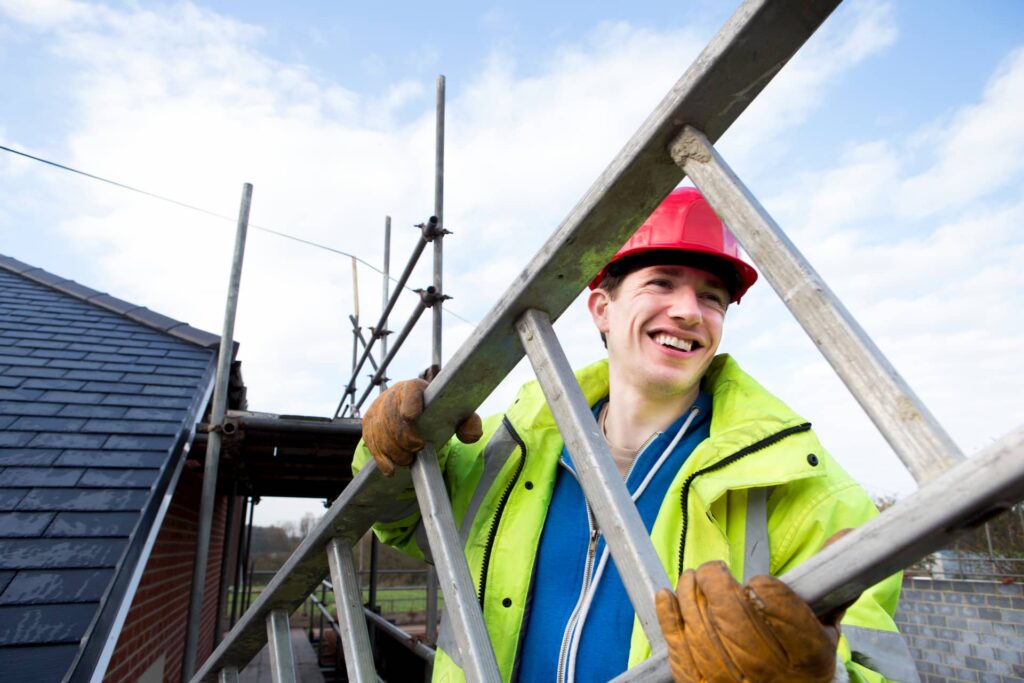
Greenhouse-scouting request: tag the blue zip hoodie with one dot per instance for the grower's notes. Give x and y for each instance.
(563, 566)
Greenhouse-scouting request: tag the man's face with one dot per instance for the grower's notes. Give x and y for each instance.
(662, 326)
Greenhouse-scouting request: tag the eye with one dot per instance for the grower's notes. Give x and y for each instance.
(659, 282)
(715, 298)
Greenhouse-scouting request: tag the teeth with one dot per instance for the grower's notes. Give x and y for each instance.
(674, 342)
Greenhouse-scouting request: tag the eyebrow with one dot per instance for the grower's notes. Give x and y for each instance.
(671, 270)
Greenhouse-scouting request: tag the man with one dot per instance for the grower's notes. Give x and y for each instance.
(730, 483)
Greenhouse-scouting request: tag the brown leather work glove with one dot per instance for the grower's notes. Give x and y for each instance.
(389, 426)
(719, 631)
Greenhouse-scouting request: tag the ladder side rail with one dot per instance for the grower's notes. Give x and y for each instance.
(743, 57)
(411, 643)
(406, 640)
(279, 639)
(353, 512)
(752, 46)
(916, 436)
(460, 603)
(642, 572)
(968, 494)
(355, 638)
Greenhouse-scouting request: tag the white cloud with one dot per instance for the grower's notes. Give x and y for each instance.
(182, 101)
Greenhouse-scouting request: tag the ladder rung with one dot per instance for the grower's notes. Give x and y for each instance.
(228, 674)
(916, 436)
(354, 637)
(642, 572)
(989, 482)
(279, 639)
(456, 584)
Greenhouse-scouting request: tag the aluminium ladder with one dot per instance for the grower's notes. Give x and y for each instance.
(676, 139)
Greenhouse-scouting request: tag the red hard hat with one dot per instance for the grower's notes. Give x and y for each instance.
(686, 222)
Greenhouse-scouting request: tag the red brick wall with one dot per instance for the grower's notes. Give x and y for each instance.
(158, 617)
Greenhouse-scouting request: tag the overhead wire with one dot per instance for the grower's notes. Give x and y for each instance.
(214, 214)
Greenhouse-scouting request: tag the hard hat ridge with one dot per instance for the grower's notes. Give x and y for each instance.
(685, 229)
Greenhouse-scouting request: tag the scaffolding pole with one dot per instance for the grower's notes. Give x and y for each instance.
(220, 396)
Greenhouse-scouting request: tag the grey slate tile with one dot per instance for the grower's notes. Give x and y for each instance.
(72, 397)
(43, 344)
(163, 380)
(142, 351)
(33, 587)
(10, 382)
(39, 664)
(82, 524)
(168, 391)
(128, 367)
(44, 372)
(84, 499)
(127, 359)
(24, 524)
(114, 387)
(28, 456)
(5, 578)
(9, 498)
(29, 408)
(8, 438)
(96, 375)
(48, 424)
(165, 414)
(8, 359)
(22, 625)
(60, 384)
(131, 427)
(192, 373)
(75, 365)
(138, 442)
(7, 420)
(113, 458)
(119, 478)
(67, 441)
(148, 400)
(95, 411)
(17, 394)
(58, 553)
(58, 353)
(40, 476)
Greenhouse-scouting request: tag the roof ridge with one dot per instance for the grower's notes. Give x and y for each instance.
(133, 312)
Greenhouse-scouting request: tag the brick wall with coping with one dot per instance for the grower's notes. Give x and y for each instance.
(157, 620)
(964, 630)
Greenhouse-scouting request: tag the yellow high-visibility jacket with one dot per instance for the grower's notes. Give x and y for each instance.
(500, 488)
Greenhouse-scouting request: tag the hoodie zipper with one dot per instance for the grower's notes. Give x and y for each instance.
(501, 509)
(742, 453)
(588, 567)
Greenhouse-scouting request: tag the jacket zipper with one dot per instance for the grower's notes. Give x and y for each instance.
(501, 509)
(742, 453)
(588, 567)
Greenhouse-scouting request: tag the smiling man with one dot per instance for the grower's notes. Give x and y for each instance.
(731, 484)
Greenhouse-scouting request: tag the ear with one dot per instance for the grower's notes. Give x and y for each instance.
(597, 304)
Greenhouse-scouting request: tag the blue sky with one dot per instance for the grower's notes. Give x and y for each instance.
(891, 149)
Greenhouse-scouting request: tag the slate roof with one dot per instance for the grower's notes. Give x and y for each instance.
(98, 398)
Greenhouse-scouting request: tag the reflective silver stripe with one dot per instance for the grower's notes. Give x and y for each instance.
(883, 651)
(446, 642)
(496, 454)
(841, 675)
(756, 554)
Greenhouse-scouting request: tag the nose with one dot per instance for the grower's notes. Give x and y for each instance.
(684, 306)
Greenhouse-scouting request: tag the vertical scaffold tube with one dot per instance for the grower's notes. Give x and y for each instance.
(217, 412)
